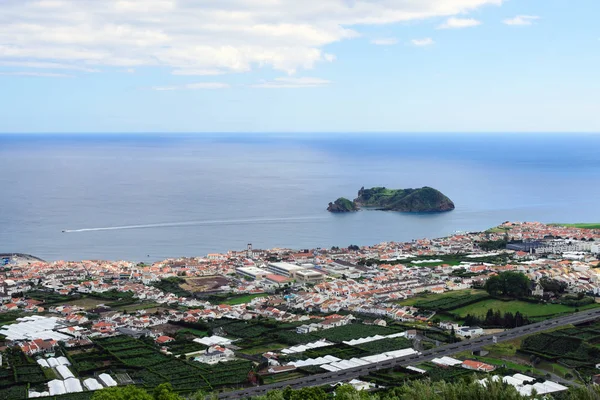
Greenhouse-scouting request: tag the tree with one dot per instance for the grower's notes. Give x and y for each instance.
(509, 284)
(348, 392)
(553, 285)
(122, 393)
(164, 391)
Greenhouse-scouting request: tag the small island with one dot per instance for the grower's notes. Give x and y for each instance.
(425, 199)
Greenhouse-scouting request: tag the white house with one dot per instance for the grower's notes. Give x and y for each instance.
(215, 354)
(469, 331)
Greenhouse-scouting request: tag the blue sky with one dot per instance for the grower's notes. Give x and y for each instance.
(299, 66)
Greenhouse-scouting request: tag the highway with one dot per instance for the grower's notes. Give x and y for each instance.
(428, 355)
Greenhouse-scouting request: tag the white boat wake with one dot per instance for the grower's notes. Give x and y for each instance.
(193, 223)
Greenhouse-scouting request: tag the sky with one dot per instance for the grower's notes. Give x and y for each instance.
(299, 66)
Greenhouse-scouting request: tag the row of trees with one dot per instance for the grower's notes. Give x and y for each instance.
(495, 319)
(414, 390)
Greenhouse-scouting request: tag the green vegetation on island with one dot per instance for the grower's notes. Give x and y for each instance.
(342, 205)
(580, 226)
(425, 199)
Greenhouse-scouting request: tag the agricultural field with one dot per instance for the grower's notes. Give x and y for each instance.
(354, 331)
(260, 349)
(203, 284)
(573, 347)
(580, 226)
(431, 297)
(531, 310)
(246, 298)
(88, 303)
(149, 306)
(286, 376)
(383, 345)
(151, 368)
(22, 372)
(184, 346)
(449, 303)
(8, 317)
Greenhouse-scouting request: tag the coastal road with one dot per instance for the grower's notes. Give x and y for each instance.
(466, 345)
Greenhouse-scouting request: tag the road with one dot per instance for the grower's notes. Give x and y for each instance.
(428, 355)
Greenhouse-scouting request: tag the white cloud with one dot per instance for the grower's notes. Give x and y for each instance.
(385, 41)
(423, 42)
(193, 86)
(521, 20)
(46, 65)
(224, 35)
(292, 83)
(458, 23)
(38, 74)
(197, 72)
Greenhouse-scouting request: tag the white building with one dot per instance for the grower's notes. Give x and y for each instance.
(252, 272)
(309, 276)
(469, 331)
(285, 269)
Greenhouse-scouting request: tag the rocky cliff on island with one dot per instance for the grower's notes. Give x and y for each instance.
(425, 199)
(342, 205)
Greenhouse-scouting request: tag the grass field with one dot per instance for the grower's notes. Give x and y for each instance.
(432, 296)
(243, 299)
(581, 226)
(531, 310)
(286, 376)
(498, 229)
(149, 307)
(87, 303)
(264, 348)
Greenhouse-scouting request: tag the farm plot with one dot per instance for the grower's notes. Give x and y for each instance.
(572, 351)
(354, 331)
(152, 368)
(448, 303)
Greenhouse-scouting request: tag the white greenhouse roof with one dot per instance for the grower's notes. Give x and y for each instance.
(92, 384)
(56, 387)
(212, 340)
(43, 363)
(33, 327)
(107, 380)
(64, 372)
(73, 385)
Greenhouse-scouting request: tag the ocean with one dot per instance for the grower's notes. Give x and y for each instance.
(145, 197)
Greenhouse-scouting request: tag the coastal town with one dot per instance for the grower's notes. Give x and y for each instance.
(259, 316)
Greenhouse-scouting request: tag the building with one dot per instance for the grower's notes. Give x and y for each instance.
(469, 331)
(164, 339)
(285, 269)
(309, 276)
(252, 272)
(277, 279)
(477, 366)
(215, 354)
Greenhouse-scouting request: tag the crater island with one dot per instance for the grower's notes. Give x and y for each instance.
(425, 199)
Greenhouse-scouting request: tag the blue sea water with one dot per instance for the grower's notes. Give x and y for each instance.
(152, 196)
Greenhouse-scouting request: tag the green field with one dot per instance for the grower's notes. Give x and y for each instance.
(150, 307)
(581, 226)
(264, 348)
(247, 298)
(432, 296)
(498, 229)
(531, 310)
(87, 303)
